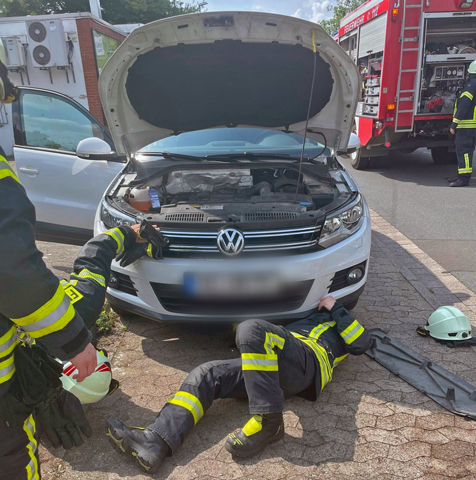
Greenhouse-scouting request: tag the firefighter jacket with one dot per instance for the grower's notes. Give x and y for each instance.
(31, 296)
(332, 336)
(465, 108)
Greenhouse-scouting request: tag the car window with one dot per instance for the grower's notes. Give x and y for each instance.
(237, 140)
(53, 122)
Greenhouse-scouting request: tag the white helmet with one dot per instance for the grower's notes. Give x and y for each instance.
(449, 323)
(472, 68)
(93, 388)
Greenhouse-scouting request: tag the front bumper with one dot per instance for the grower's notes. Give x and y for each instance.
(319, 267)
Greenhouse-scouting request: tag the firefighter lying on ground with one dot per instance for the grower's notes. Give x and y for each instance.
(464, 127)
(276, 363)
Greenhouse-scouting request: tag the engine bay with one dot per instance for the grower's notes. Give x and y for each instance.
(227, 194)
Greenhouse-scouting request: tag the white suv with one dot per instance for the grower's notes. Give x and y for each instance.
(210, 111)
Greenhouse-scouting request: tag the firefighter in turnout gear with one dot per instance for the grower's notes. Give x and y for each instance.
(464, 127)
(36, 309)
(276, 363)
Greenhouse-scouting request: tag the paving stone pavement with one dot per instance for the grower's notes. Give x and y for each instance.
(367, 424)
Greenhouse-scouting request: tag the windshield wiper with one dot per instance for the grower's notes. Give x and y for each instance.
(182, 156)
(256, 155)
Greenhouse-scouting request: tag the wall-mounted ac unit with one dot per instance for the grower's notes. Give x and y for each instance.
(47, 44)
(14, 52)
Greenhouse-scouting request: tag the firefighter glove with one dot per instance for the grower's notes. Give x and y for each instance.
(63, 421)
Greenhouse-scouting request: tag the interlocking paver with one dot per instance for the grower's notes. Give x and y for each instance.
(367, 424)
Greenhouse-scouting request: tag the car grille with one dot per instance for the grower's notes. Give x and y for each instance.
(185, 217)
(340, 278)
(174, 299)
(123, 283)
(255, 240)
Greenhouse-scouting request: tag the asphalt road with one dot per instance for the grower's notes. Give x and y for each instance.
(412, 193)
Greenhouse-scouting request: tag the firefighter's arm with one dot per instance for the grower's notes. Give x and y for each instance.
(355, 338)
(464, 103)
(92, 270)
(30, 294)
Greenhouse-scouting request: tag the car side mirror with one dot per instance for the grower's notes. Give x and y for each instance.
(353, 146)
(95, 149)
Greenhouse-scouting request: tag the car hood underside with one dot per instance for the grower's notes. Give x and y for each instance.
(228, 69)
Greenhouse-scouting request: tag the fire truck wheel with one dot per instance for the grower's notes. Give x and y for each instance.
(441, 156)
(358, 161)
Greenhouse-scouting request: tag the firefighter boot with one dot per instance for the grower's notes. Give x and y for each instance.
(452, 179)
(140, 444)
(463, 181)
(256, 434)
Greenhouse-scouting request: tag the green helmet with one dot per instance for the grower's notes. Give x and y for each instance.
(449, 323)
(472, 68)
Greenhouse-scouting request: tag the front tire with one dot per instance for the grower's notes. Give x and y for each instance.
(359, 162)
(351, 305)
(441, 156)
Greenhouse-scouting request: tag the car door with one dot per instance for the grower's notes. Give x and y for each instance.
(65, 189)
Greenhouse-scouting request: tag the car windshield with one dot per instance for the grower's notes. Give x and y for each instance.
(232, 141)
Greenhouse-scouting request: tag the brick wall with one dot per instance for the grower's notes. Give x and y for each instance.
(85, 35)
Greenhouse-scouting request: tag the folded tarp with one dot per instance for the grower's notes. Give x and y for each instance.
(442, 386)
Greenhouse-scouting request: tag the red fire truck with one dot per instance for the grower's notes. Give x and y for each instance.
(413, 56)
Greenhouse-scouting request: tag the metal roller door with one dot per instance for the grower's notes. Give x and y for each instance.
(372, 36)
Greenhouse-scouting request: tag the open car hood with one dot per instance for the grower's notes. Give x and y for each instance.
(227, 69)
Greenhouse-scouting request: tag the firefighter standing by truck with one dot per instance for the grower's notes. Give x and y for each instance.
(464, 127)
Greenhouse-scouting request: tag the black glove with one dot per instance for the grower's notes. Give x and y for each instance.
(138, 250)
(63, 421)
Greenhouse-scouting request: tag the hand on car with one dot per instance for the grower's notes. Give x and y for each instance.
(85, 362)
(327, 303)
(136, 229)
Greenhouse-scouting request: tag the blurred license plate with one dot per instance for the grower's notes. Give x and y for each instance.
(219, 285)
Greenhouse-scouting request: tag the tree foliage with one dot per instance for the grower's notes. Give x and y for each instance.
(114, 11)
(339, 10)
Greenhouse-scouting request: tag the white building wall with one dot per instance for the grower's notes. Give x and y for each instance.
(76, 88)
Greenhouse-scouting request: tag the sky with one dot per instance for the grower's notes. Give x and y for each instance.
(307, 9)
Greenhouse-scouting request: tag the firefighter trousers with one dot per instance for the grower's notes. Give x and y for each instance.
(274, 365)
(19, 452)
(465, 144)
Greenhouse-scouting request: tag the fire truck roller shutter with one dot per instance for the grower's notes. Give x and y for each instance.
(372, 36)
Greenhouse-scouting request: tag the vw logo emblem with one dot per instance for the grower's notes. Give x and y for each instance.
(230, 241)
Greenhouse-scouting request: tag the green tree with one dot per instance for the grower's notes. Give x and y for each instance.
(114, 11)
(339, 10)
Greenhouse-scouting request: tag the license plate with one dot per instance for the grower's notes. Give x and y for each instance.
(220, 285)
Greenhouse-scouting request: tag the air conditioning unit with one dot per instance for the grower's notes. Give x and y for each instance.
(14, 52)
(47, 44)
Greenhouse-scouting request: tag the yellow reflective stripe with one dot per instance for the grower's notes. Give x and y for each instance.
(118, 237)
(259, 356)
(455, 120)
(189, 402)
(467, 94)
(339, 359)
(253, 426)
(466, 161)
(272, 340)
(322, 357)
(465, 170)
(54, 315)
(32, 468)
(149, 250)
(85, 273)
(6, 170)
(8, 342)
(7, 369)
(320, 329)
(352, 332)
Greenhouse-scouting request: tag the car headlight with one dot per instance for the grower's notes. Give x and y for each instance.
(113, 218)
(341, 225)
